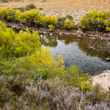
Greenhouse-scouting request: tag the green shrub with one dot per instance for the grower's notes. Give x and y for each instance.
(94, 21)
(14, 44)
(38, 65)
(35, 17)
(51, 20)
(8, 14)
(107, 23)
(41, 21)
(69, 23)
(7, 38)
(21, 53)
(30, 16)
(51, 27)
(83, 82)
(66, 22)
(19, 16)
(73, 70)
(79, 79)
(26, 43)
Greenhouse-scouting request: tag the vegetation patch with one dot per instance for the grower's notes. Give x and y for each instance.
(92, 21)
(35, 18)
(95, 21)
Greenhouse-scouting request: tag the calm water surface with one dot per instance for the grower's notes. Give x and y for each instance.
(89, 55)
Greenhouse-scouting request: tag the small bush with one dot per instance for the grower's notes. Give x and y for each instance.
(94, 21)
(79, 79)
(51, 20)
(51, 27)
(83, 82)
(73, 70)
(30, 16)
(107, 23)
(68, 24)
(7, 14)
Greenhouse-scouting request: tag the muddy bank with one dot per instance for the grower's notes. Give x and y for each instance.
(77, 32)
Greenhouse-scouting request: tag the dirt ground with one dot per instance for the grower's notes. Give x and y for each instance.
(62, 7)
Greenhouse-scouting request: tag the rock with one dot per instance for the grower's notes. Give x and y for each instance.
(103, 80)
(107, 59)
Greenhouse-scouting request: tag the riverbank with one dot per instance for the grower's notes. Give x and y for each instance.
(77, 32)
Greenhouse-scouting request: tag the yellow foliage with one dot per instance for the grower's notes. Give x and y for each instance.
(69, 24)
(42, 56)
(51, 19)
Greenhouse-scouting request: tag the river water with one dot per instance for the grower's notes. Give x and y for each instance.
(90, 55)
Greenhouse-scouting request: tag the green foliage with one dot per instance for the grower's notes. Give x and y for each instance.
(73, 70)
(68, 24)
(26, 42)
(6, 40)
(41, 56)
(83, 82)
(40, 65)
(35, 17)
(94, 21)
(79, 79)
(51, 20)
(21, 53)
(107, 23)
(14, 44)
(7, 14)
(31, 15)
(51, 27)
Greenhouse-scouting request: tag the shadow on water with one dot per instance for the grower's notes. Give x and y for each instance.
(91, 55)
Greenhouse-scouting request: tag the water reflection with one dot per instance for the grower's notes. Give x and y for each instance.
(49, 40)
(91, 55)
(96, 47)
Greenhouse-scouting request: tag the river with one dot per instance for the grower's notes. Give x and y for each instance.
(90, 55)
